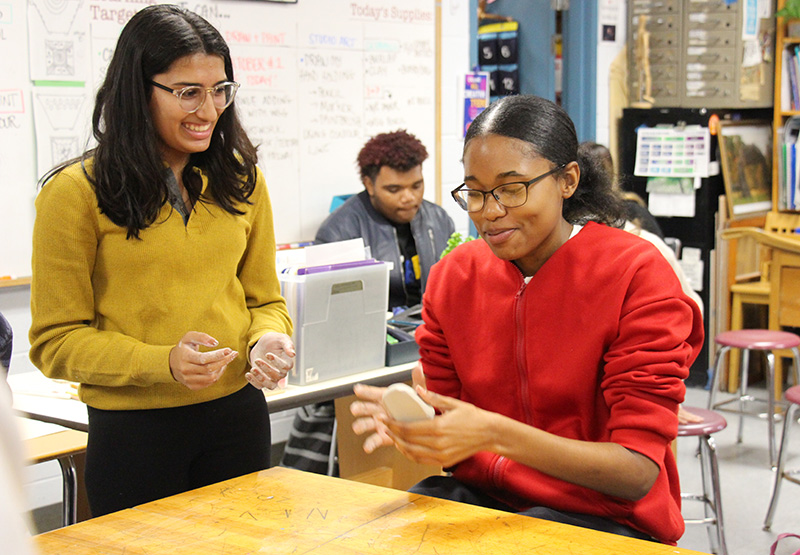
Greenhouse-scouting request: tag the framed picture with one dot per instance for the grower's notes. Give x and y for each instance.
(746, 159)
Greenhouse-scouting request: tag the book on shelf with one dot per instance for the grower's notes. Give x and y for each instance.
(789, 177)
(786, 92)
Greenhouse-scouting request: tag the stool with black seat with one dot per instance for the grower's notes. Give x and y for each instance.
(793, 398)
(747, 340)
(711, 498)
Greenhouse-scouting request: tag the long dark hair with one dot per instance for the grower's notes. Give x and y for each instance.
(128, 171)
(551, 135)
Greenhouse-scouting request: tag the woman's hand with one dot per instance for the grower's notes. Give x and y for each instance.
(195, 369)
(370, 414)
(458, 432)
(271, 358)
(686, 417)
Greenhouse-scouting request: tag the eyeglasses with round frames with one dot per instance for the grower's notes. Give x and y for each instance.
(509, 195)
(191, 98)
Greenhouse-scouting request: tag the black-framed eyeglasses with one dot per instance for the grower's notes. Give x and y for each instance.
(191, 98)
(509, 195)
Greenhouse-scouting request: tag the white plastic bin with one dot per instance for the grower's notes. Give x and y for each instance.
(339, 321)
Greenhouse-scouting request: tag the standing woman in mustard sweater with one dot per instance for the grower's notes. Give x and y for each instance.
(154, 281)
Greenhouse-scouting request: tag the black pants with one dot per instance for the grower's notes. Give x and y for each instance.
(446, 487)
(136, 456)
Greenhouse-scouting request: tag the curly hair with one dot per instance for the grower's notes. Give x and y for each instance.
(400, 150)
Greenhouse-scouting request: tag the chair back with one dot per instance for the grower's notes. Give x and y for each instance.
(753, 259)
(782, 222)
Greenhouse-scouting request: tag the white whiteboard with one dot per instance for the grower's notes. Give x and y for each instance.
(318, 77)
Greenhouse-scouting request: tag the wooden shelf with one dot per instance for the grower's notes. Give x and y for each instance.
(16, 282)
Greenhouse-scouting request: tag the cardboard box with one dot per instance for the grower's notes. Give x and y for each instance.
(339, 321)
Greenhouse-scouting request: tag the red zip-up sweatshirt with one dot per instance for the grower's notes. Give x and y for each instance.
(595, 347)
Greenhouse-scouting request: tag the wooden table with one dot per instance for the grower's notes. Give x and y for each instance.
(288, 511)
(58, 444)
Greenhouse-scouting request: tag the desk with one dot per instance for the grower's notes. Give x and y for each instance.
(36, 397)
(287, 511)
(46, 442)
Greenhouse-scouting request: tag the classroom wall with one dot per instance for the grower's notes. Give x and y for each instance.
(586, 56)
(43, 484)
(319, 77)
(610, 12)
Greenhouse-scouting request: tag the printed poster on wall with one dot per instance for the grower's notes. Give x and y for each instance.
(476, 96)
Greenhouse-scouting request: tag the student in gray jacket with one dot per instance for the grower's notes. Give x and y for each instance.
(392, 217)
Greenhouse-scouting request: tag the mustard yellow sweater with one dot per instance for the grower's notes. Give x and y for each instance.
(107, 310)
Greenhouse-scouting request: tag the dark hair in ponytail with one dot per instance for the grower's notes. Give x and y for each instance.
(550, 133)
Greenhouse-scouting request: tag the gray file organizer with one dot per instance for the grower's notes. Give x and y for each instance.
(339, 321)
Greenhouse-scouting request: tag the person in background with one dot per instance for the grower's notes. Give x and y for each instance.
(390, 214)
(400, 227)
(154, 282)
(635, 208)
(554, 350)
(6, 342)
(599, 155)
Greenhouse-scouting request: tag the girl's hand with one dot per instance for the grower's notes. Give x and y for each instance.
(271, 359)
(457, 433)
(370, 414)
(194, 369)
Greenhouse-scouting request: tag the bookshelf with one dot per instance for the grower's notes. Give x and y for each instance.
(782, 108)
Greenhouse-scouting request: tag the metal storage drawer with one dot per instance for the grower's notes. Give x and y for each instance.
(705, 72)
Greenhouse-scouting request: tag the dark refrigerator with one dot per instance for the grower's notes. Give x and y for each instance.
(695, 232)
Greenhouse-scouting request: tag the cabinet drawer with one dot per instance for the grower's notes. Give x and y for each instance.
(706, 72)
(665, 89)
(654, 6)
(664, 56)
(709, 89)
(709, 6)
(662, 23)
(711, 39)
(664, 40)
(711, 21)
(703, 55)
(663, 72)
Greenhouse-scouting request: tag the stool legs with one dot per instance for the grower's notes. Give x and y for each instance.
(717, 381)
(771, 406)
(716, 375)
(779, 470)
(743, 391)
(711, 496)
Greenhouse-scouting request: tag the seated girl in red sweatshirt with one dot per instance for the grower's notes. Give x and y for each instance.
(555, 349)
